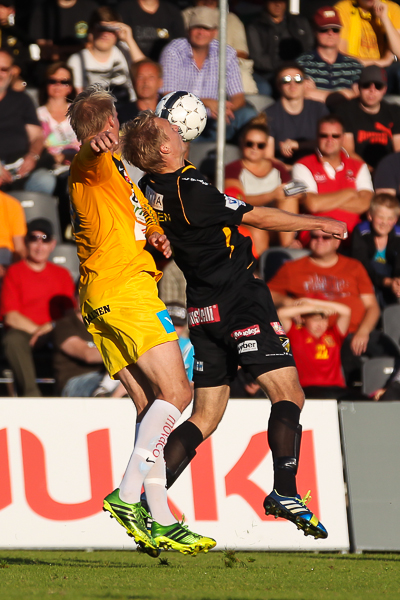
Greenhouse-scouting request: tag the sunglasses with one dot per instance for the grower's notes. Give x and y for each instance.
(52, 81)
(5, 69)
(326, 29)
(335, 136)
(321, 237)
(259, 145)
(35, 237)
(288, 79)
(379, 86)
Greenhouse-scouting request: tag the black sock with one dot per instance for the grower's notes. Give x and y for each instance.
(284, 435)
(181, 449)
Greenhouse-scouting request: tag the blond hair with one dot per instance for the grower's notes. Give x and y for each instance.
(141, 141)
(89, 112)
(385, 200)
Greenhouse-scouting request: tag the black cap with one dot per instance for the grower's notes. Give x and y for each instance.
(373, 74)
(178, 313)
(7, 3)
(42, 225)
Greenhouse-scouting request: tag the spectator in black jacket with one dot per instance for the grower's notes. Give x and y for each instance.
(275, 37)
(376, 244)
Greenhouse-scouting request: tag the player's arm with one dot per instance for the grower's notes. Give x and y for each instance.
(274, 219)
(76, 347)
(154, 232)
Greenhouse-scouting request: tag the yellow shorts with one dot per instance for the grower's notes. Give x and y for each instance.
(127, 321)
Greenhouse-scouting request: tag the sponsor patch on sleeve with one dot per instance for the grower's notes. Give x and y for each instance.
(247, 346)
(277, 327)
(233, 203)
(166, 321)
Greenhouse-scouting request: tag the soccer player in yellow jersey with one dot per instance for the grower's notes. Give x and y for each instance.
(129, 324)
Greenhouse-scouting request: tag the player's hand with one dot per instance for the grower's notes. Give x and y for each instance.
(105, 141)
(336, 228)
(161, 243)
(396, 286)
(41, 330)
(359, 343)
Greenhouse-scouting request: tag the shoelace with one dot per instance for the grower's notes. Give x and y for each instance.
(306, 499)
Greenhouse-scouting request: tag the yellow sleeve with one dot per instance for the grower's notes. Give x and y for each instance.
(17, 218)
(97, 168)
(394, 14)
(344, 14)
(152, 224)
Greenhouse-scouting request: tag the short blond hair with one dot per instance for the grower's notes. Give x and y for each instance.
(90, 110)
(385, 200)
(141, 142)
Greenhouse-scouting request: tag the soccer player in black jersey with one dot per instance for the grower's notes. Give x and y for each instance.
(232, 318)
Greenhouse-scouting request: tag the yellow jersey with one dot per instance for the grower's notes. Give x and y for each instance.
(111, 219)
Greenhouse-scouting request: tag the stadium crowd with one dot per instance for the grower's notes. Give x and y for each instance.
(313, 122)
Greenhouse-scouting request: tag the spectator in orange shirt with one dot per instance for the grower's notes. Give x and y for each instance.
(12, 231)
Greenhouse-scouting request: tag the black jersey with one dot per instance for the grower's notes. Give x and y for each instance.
(202, 226)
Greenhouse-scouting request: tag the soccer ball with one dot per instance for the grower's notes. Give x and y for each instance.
(185, 110)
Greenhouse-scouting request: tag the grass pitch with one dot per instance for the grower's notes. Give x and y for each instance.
(112, 575)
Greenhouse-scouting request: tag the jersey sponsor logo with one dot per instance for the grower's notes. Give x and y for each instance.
(162, 440)
(285, 343)
(166, 321)
(252, 330)
(96, 312)
(320, 177)
(233, 203)
(155, 200)
(247, 346)
(196, 180)
(277, 327)
(198, 366)
(208, 314)
(382, 135)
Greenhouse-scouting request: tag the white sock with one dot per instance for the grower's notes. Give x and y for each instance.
(151, 438)
(156, 493)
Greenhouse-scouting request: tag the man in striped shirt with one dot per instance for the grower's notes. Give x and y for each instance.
(192, 65)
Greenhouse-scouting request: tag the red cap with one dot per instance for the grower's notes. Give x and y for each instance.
(327, 16)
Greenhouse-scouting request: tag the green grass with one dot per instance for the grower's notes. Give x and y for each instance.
(228, 575)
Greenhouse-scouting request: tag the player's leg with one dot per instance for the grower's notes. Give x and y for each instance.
(284, 437)
(208, 409)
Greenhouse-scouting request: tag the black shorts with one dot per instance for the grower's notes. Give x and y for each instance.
(241, 328)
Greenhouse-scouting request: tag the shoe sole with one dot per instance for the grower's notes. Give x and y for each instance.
(302, 524)
(193, 549)
(138, 535)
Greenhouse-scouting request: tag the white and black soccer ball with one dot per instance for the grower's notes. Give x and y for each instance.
(185, 110)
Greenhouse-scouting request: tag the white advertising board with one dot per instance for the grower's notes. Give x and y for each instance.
(60, 457)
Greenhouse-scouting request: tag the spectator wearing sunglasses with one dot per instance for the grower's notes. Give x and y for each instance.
(372, 125)
(327, 69)
(338, 186)
(274, 37)
(292, 119)
(260, 180)
(327, 275)
(35, 293)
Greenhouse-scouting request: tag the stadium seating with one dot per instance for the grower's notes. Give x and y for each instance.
(272, 259)
(37, 205)
(391, 322)
(65, 255)
(375, 373)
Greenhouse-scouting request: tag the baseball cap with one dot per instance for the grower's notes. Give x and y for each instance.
(42, 225)
(204, 16)
(373, 74)
(7, 3)
(327, 16)
(178, 313)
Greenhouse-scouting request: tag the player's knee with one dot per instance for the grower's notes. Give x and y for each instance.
(180, 397)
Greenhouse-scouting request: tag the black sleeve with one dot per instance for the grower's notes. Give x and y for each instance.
(257, 51)
(395, 110)
(205, 206)
(178, 26)
(359, 250)
(387, 173)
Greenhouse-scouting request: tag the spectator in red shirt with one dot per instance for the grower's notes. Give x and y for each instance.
(327, 275)
(35, 293)
(316, 345)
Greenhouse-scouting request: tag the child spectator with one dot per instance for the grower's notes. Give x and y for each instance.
(316, 345)
(376, 244)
